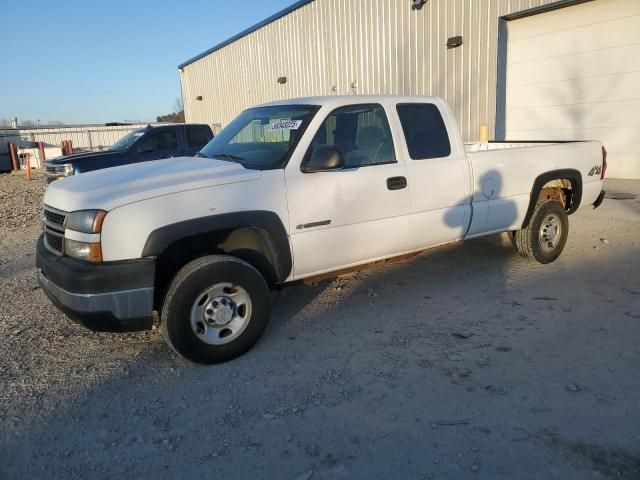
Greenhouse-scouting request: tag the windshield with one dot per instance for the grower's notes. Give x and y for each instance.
(125, 142)
(261, 138)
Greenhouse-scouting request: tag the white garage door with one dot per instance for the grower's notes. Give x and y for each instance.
(574, 74)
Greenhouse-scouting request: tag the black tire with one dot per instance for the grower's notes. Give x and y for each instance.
(530, 241)
(189, 283)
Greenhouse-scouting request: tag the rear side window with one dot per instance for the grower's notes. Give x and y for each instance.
(424, 131)
(197, 137)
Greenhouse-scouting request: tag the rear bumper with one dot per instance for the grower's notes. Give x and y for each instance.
(107, 297)
(599, 200)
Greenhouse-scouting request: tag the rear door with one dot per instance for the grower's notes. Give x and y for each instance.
(197, 136)
(439, 176)
(341, 218)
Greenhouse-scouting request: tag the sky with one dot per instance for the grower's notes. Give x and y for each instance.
(102, 61)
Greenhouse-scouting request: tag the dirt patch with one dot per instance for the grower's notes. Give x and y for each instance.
(620, 196)
(613, 462)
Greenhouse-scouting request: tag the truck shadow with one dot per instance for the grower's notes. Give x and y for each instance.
(489, 211)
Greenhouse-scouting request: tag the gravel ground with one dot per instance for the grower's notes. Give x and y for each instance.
(21, 200)
(466, 362)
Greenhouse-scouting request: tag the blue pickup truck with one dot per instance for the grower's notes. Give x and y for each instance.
(141, 145)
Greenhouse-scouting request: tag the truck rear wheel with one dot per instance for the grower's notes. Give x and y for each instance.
(216, 309)
(546, 235)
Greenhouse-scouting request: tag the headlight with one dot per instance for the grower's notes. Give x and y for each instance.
(82, 235)
(91, 252)
(67, 169)
(86, 221)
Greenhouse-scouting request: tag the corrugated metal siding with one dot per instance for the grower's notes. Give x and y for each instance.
(359, 46)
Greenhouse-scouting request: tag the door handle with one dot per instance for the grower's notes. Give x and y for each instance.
(396, 183)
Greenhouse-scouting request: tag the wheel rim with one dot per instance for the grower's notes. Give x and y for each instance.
(550, 232)
(221, 313)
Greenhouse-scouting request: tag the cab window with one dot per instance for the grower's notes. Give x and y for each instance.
(361, 132)
(424, 131)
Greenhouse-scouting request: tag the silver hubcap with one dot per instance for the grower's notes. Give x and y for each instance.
(550, 232)
(221, 313)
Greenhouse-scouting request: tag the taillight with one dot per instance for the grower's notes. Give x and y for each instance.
(604, 163)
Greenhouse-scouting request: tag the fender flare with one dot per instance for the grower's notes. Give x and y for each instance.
(267, 223)
(574, 176)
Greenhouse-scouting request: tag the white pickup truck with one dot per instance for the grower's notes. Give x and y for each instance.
(293, 190)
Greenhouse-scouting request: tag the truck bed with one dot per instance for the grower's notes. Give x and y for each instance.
(503, 174)
(495, 145)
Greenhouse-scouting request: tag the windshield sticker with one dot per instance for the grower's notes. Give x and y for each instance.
(285, 125)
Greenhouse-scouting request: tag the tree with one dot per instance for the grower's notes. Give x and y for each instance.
(178, 106)
(177, 116)
(27, 123)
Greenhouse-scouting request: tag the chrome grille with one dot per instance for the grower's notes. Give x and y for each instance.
(53, 172)
(54, 229)
(54, 218)
(54, 241)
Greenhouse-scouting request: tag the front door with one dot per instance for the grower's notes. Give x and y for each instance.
(162, 143)
(341, 218)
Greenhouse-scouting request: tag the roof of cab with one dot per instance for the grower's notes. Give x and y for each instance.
(338, 100)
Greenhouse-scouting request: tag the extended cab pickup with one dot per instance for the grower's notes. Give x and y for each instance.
(143, 144)
(292, 190)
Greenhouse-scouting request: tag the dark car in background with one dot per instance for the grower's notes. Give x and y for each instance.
(153, 142)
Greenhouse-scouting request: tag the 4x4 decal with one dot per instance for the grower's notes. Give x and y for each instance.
(595, 171)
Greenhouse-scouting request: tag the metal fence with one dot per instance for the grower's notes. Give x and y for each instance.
(83, 137)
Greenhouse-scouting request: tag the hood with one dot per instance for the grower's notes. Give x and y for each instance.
(78, 157)
(113, 187)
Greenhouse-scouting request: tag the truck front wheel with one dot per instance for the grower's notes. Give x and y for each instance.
(546, 235)
(216, 309)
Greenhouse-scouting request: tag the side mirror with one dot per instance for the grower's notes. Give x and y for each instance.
(326, 157)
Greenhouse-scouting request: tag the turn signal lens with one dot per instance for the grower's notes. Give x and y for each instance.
(97, 223)
(91, 252)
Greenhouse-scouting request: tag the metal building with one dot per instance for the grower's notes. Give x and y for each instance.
(529, 69)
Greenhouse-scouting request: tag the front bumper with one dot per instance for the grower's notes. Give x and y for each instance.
(111, 297)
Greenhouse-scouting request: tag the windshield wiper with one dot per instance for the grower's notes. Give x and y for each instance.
(228, 157)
